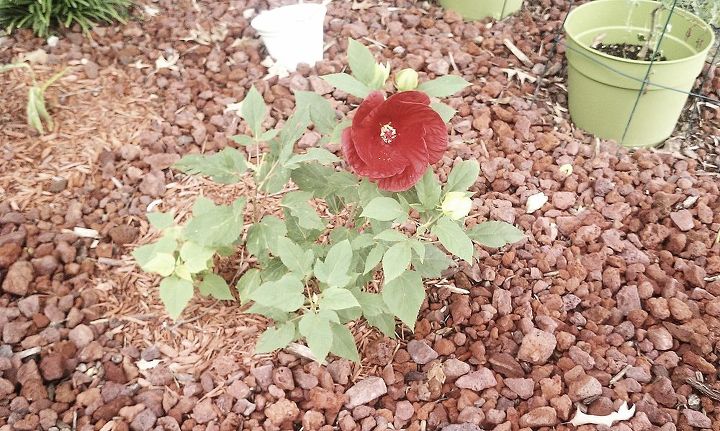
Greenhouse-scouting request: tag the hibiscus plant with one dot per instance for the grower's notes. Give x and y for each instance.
(327, 246)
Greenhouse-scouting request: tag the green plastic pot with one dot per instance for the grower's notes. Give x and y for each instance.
(602, 89)
(479, 9)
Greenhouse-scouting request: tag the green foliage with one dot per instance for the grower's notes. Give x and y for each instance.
(443, 86)
(315, 253)
(42, 15)
(707, 10)
(35, 109)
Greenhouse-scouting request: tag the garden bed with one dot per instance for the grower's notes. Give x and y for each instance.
(612, 296)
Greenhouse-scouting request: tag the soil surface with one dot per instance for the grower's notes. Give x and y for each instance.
(613, 296)
(628, 51)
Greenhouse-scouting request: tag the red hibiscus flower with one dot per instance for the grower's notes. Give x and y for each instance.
(393, 141)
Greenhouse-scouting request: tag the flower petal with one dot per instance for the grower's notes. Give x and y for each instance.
(368, 106)
(404, 180)
(381, 160)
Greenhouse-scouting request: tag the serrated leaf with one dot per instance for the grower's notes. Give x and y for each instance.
(285, 294)
(161, 221)
(292, 130)
(161, 263)
(146, 253)
(319, 155)
(434, 263)
(175, 295)
(443, 86)
(391, 235)
(374, 257)
(348, 84)
(298, 203)
(462, 176)
(404, 295)
(248, 283)
(225, 167)
(262, 236)
(454, 239)
(444, 111)
(495, 234)
(220, 226)
(293, 256)
(243, 140)
(333, 271)
(313, 178)
(337, 298)
(361, 60)
(253, 111)
(215, 286)
(343, 343)
(269, 312)
(321, 111)
(316, 330)
(428, 190)
(276, 337)
(383, 209)
(195, 256)
(396, 260)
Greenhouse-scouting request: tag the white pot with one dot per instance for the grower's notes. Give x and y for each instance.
(293, 34)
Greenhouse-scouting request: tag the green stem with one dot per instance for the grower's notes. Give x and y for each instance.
(424, 227)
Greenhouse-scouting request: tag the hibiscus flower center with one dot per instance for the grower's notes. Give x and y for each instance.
(388, 133)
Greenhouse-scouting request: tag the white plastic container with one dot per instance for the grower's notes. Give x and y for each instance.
(293, 34)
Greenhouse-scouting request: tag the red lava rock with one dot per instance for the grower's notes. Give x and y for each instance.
(143, 421)
(506, 365)
(454, 368)
(523, 387)
(239, 389)
(281, 412)
(539, 417)
(9, 253)
(124, 234)
(478, 380)
(683, 219)
(537, 346)
(18, 278)
(340, 370)
(52, 367)
(263, 375)
(660, 338)
(663, 392)
(81, 336)
(584, 388)
(679, 310)
(696, 419)
(204, 411)
(313, 420)
(283, 378)
(420, 352)
(365, 391)
(628, 299)
(563, 200)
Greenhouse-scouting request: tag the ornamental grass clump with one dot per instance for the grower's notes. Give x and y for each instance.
(43, 15)
(346, 244)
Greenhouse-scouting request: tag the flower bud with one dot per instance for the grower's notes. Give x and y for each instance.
(406, 80)
(382, 72)
(456, 205)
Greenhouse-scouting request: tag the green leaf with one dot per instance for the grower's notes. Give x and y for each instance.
(262, 236)
(220, 226)
(161, 263)
(299, 234)
(225, 167)
(175, 294)
(391, 235)
(454, 239)
(181, 271)
(313, 178)
(269, 312)
(319, 155)
(321, 112)
(253, 111)
(248, 283)
(377, 313)
(444, 111)
(292, 130)
(404, 295)
(343, 343)
(215, 286)
(383, 209)
(374, 257)
(443, 86)
(362, 62)
(298, 203)
(463, 176)
(348, 84)
(316, 330)
(337, 298)
(396, 260)
(293, 256)
(161, 221)
(428, 190)
(334, 270)
(285, 294)
(276, 337)
(143, 254)
(434, 263)
(244, 140)
(195, 256)
(495, 234)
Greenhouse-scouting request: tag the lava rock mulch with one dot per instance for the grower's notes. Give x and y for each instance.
(613, 296)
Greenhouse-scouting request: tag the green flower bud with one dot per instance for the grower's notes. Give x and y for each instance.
(382, 72)
(456, 205)
(406, 80)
